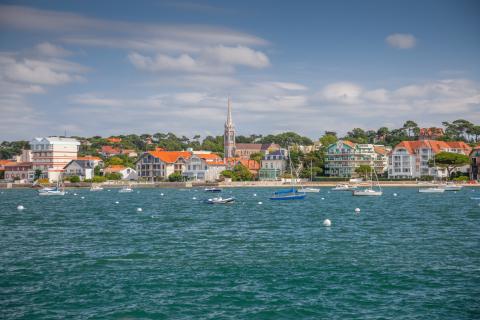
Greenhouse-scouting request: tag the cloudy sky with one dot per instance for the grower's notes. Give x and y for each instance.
(118, 67)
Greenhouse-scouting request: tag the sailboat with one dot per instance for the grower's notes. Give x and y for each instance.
(58, 190)
(309, 189)
(370, 191)
(434, 189)
(292, 193)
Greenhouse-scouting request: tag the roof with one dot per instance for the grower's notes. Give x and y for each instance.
(18, 164)
(250, 164)
(5, 162)
(208, 156)
(114, 139)
(256, 146)
(92, 158)
(349, 143)
(55, 140)
(83, 163)
(110, 149)
(216, 163)
(431, 131)
(115, 168)
(380, 150)
(170, 156)
(435, 145)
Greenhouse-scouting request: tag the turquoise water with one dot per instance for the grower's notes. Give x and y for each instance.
(414, 256)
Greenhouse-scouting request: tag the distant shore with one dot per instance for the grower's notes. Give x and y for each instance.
(238, 184)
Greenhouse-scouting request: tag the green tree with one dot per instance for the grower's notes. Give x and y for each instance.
(37, 174)
(242, 173)
(450, 161)
(411, 127)
(113, 176)
(99, 179)
(228, 174)
(363, 170)
(74, 179)
(96, 171)
(116, 160)
(328, 139)
(257, 156)
(175, 177)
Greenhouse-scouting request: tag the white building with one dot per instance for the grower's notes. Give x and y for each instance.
(84, 167)
(409, 159)
(203, 167)
(52, 154)
(126, 172)
(158, 165)
(273, 165)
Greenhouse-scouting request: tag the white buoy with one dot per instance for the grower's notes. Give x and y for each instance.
(74, 194)
(194, 198)
(20, 208)
(108, 190)
(260, 202)
(254, 194)
(161, 194)
(139, 210)
(327, 222)
(323, 198)
(394, 194)
(83, 197)
(117, 202)
(357, 210)
(138, 191)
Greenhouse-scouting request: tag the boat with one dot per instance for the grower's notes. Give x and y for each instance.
(303, 189)
(58, 190)
(431, 190)
(125, 189)
(452, 187)
(220, 200)
(369, 191)
(344, 187)
(213, 189)
(96, 188)
(292, 193)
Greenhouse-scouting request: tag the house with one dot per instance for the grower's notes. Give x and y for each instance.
(344, 156)
(306, 149)
(19, 171)
(3, 163)
(114, 140)
(109, 151)
(52, 154)
(126, 172)
(273, 165)
(83, 167)
(430, 133)
(475, 163)
(158, 165)
(203, 167)
(245, 150)
(97, 161)
(130, 153)
(410, 159)
(25, 156)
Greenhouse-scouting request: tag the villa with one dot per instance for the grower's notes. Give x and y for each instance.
(203, 167)
(158, 165)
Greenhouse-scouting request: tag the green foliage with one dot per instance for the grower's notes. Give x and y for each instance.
(99, 179)
(257, 156)
(96, 171)
(363, 170)
(121, 159)
(239, 173)
(37, 174)
(287, 139)
(328, 139)
(114, 161)
(461, 179)
(113, 176)
(10, 149)
(175, 177)
(228, 174)
(73, 179)
(450, 161)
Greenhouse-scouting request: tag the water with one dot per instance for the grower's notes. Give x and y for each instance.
(414, 256)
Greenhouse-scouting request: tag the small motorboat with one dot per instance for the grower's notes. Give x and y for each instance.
(367, 192)
(213, 189)
(220, 200)
(96, 188)
(309, 190)
(344, 187)
(125, 189)
(431, 190)
(290, 194)
(452, 187)
(51, 192)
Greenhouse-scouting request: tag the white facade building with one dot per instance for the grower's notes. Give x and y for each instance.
(203, 167)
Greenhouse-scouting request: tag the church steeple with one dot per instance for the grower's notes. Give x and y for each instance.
(229, 134)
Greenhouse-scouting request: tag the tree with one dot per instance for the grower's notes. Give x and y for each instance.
(37, 174)
(96, 171)
(74, 179)
(242, 173)
(116, 160)
(113, 176)
(363, 170)
(450, 161)
(175, 177)
(328, 139)
(411, 127)
(257, 156)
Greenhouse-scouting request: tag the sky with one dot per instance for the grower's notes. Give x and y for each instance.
(121, 67)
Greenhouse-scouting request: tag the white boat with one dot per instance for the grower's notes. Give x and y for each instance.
(125, 189)
(58, 190)
(220, 200)
(344, 187)
(96, 188)
(431, 190)
(309, 190)
(369, 191)
(452, 187)
(213, 189)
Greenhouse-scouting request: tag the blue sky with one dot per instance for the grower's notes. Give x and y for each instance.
(113, 67)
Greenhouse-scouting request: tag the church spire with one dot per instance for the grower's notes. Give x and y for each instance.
(229, 114)
(229, 134)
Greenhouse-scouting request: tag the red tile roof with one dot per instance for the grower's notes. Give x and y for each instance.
(110, 150)
(209, 156)
(435, 145)
(89, 158)
(250, 164)
(114, 139)
(114, 168)
(170, 156)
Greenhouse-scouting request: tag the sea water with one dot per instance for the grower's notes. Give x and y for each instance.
(410, 256)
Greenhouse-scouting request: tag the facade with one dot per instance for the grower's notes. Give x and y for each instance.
(409, 159)
(84, 167)
(26, 156)
(229, 135)
(158, 165)
(52, 154)
(126, 172)
(203, 167)
(273, 165)
(245, 150)
(21, 171)
(475, 164)
(343, 157)
(109, 151)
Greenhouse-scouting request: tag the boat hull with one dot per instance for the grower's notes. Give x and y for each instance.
(220, 201)
(310, 190)
(431, 190)
(288, 197)
(367, 194)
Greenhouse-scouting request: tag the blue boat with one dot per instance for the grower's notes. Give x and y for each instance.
(290, 194)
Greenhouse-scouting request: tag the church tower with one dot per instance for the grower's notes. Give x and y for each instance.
(229, 135)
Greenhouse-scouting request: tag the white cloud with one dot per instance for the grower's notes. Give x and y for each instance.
(342, 93)
(51, 50)
(401, 40)
(238, 55)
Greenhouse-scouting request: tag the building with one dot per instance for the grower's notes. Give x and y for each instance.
(306, 149)
(3, 163)
(245, 150)
(109, 151)
(25, 156)
(475, 163)
(114, 140)
(203, 167)
(126, 172)
(19, 171)
(84, 167)
(273, 165)
(430, 133)
(158, 165)
(229, 135)
(410, 159)
(130, 153)
(52, 154)
(344, 156)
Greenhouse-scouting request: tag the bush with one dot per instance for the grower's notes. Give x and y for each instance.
(175, 177)
(113, 176)
(74, 179)
(98, 179)
(461, 179)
